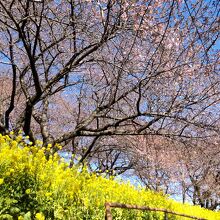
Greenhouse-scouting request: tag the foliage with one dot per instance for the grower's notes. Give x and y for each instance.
(34, 185)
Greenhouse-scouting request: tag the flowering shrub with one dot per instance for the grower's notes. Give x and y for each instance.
(33, 187)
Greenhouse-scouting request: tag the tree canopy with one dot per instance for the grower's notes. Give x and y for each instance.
(98, 75)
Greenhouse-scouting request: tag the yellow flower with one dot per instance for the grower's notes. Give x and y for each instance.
(15, 157)
(28, 191)
(39, 216)
(14, 143)
(42, 177)
(7, 138)
(11, 170)
(1, 181)
(20, 217)
(18, 138)
(11, 133)
(48, 194)
(7, 174)
(59, 146)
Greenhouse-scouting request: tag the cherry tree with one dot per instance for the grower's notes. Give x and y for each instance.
(90, 73)
(187, 169)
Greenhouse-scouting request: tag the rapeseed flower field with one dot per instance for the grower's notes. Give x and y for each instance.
(33, 186)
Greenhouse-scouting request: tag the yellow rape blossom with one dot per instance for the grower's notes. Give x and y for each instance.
(12, 170)
(1, 181)
(39, 216)
(28, 191)
(19, 138)
(48, 194)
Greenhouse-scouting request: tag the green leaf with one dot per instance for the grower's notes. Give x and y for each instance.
(27, 216)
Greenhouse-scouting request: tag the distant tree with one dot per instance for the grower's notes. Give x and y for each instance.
(188, 169)
(202, 166)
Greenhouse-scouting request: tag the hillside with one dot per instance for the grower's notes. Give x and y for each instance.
(33, 187)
